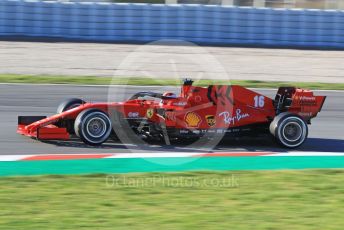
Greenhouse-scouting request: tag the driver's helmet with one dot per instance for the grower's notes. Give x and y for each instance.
(170, 94)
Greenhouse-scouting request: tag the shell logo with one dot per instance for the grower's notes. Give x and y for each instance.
(192, 119)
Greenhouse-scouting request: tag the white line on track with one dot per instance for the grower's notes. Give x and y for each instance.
(76, 85)
(151, 155)
(161, 155)
(14, 157)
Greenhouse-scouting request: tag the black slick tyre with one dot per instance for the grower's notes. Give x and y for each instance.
(69, 104)
(64, 106)
(289, 130)
(93, 126)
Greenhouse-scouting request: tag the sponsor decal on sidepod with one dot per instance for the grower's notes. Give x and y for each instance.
(210, 120)
(192, 120)
(133, 114)
(230, 120)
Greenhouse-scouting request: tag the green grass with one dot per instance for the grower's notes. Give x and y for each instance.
(94, 80)
(305, 199)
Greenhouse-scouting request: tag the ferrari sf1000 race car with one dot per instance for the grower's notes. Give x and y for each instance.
(198, 112)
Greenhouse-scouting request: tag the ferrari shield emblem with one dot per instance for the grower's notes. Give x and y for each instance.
(210, 120)
(149, 113)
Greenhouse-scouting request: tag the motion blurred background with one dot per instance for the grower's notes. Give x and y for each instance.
(310, 4)
(312, 25)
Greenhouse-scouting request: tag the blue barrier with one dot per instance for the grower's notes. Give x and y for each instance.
(194, 23)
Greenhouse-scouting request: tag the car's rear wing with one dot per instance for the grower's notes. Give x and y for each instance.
(300, 101)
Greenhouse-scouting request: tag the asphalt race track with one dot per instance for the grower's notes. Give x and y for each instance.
(326, 132)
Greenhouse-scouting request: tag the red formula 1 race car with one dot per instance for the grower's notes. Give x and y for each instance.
(198, 112)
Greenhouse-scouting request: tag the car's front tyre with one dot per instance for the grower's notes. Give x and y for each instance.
(93, 126)
(65, 105)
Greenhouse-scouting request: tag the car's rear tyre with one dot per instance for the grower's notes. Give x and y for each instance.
(289, 130)
(93, 126)
(69, 104)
